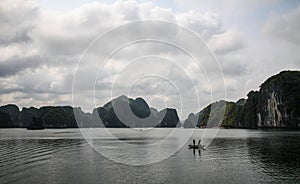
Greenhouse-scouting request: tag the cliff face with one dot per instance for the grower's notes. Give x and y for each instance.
(57, 117)
(13, 112)
(249, 116)
(168, 118)
(5, 120)
(277, 101)
(26, 116)
(119, 106)
(48, 117)
(139, 114)
(275, 105)
(191, 121)
(226, 114)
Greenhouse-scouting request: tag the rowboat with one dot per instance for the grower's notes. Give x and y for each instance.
(196, 146)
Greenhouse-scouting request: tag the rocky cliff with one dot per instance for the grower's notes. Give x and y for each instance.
(168, 118)
(11, 112)
(26, 116)
(124, 112)
(275, 105)
(116, 113)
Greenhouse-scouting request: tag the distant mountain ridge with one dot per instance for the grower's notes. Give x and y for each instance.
(74, 117)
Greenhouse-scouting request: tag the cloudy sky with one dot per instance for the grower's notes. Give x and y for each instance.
(181, 54)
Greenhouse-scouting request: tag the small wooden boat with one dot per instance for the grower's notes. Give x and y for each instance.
(196, 146)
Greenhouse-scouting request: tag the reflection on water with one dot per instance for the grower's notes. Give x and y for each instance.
(234, 156)
(22, 158)
(278, 156)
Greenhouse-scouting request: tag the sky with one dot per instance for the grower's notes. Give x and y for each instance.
(180, 54)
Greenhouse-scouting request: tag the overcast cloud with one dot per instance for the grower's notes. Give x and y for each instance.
(40, 47)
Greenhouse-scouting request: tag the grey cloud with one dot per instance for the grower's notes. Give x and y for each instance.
(17, 20)
(43, 80)
(285, 27)
(227, 42)
(234, 65)
(206, 24)
(73, 31)
(57, 42)
(15, 65)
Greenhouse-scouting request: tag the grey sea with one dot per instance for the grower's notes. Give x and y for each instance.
(66, 156)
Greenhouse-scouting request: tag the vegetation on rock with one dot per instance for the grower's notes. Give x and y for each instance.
(275, 105)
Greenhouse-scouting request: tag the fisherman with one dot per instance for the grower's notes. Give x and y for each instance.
(196, 146)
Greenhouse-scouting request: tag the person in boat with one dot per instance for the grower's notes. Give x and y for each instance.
(194, 145)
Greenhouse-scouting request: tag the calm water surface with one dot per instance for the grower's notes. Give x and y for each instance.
(234, 156)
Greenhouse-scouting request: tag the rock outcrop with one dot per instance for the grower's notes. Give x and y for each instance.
(26, 116)
(168, 118)
(5, 120)
(275, 105)
(191, 121)
(13, 112)
(57, 117)
(124, 112)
